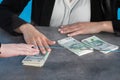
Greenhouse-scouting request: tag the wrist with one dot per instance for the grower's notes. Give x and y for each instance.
(25, 27)
(106, 26)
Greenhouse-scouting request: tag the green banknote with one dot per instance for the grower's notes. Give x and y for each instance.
(36, 60)
(99, 44)
(75, 46)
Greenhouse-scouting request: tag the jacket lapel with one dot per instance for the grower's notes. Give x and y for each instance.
(47, 11)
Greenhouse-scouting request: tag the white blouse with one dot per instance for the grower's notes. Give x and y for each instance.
(70, 11)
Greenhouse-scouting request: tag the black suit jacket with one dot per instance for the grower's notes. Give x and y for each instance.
(101, 10)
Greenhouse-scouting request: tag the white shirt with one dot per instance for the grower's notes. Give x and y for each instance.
(66, 12)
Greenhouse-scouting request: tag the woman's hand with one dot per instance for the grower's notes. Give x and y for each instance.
(86, 28)
(33, 36)
(10, 50)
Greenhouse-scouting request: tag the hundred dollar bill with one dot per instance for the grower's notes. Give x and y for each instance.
(36, 60)
(75, 46)
(99, 44)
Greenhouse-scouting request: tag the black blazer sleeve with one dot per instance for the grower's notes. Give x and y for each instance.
(0, 47)
(115, 21)
(9, 12)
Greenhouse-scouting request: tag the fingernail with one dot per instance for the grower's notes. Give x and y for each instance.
(54, 42)
(59, 29)
(69, 35)
(49, 50)
(44, 52)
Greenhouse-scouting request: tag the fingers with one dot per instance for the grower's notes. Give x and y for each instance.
(32, 42)
(75, 33)
(50, 42)
(33, 36)
(31, 50)
(72, 31)
(25, 49)
(80, 28)
(69, 29)
(46, 42)
(28, 49)
(46, 46)
(41, 46)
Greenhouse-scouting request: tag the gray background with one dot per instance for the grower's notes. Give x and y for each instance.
(63, 64)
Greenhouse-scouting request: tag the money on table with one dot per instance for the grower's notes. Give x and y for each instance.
(36, 60)
(87, 45)
(100, 44)
(79, 48)
(75, 46)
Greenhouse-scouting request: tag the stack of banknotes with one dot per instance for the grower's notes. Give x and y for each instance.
(75, 46)
(100, 45)
(79, 48)
(87, 45)
(36, 60)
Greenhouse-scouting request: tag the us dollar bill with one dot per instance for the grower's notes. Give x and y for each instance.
(75, 46)
(36, 60)
(100, 44)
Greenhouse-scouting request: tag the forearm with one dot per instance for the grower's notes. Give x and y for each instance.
(106, 26)
(24, 27)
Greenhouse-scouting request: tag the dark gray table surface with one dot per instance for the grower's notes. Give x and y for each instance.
(63, 64)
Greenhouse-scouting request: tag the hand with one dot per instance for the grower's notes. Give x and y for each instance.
(33, 36)
(10, 50)
(86, 28)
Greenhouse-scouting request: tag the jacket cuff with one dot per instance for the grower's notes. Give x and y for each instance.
(116, 27)
(11, 25)
(16, 23)
(0, 47)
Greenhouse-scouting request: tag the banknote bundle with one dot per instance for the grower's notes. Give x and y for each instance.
(87, 45)
(36, 60)
(100, 44)
(75, 46)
